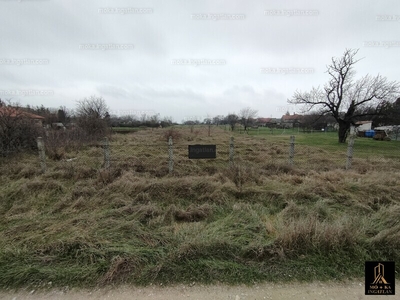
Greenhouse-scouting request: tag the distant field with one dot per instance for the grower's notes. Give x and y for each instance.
(125, 129)
(363, 147)
(258, 219)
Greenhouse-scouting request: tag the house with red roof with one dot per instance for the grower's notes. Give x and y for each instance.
(290, 121)
(16, 112)
(268, 122)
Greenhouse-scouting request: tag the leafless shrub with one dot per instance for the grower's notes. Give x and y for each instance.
(18, 131)
(241, 174)
(93, 116)
(55, 145)
(171, 132)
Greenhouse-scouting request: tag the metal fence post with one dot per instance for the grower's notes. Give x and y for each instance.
(291, 150)
(170, 155)
(231, 150)
(106, 147)
(42, 154)
(350, 152)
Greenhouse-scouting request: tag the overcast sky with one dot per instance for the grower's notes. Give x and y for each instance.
(187, 59)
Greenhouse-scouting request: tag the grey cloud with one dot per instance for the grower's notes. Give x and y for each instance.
(144, 77)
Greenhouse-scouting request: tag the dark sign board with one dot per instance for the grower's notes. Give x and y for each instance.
(202, 151)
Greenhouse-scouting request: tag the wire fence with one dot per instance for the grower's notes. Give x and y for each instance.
(169, 155)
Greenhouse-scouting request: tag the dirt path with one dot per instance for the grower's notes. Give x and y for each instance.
(317, 290)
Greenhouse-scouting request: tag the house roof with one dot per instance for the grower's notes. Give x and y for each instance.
(14, 112)
(363, 122)
(267, 120)
(291, 117)
(263, 120)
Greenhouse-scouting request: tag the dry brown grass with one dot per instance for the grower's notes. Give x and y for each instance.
(135, 222)
(193, 213)
(120, 270)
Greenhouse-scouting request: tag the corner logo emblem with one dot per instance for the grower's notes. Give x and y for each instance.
(379, 278)
(379, 273)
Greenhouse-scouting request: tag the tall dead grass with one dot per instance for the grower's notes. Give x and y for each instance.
(79, 223)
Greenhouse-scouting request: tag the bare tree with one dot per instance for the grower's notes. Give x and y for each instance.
(345, 98)
(64, 114)
(154, 120)
(247, 117)
(92, 115)
(192, 122)
(217, 120)
(232, 119)
(390, 114)
(166, 121)
(143, 118)
(208, 121)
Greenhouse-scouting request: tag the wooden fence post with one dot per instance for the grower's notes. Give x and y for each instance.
(42, 154)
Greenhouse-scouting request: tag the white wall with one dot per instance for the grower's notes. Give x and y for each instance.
(364, 127)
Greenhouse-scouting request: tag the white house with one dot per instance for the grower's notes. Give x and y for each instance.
(364, 125)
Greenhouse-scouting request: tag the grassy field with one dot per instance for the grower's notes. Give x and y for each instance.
(257, 220)
(125, 130)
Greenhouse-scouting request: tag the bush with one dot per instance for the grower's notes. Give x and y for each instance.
(18, 132)
(175, 134)
(93, 117)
